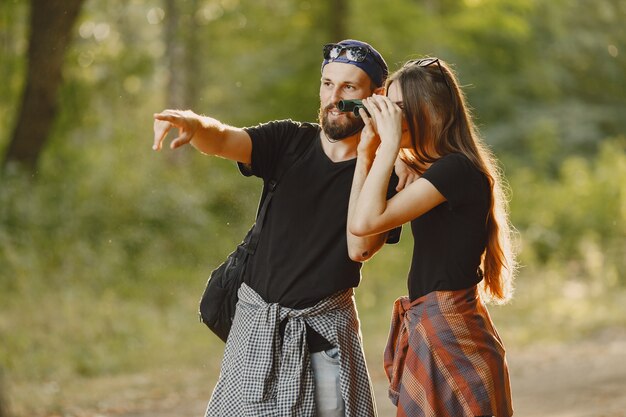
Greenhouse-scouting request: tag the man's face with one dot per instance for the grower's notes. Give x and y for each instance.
(341, 82)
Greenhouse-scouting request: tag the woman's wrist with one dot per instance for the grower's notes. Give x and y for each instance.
(389, 146)
(365, 158)
(388, 152)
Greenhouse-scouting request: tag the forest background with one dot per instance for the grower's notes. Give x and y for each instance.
(105, 245)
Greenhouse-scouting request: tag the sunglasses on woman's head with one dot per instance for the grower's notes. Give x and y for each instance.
(425, 62)
(353, 53)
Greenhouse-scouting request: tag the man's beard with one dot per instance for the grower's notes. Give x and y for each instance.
(336, 130)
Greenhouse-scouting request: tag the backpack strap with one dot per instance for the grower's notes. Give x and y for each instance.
(295, 150)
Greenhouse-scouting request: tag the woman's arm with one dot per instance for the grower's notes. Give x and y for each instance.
(372, 213)
(361, 248)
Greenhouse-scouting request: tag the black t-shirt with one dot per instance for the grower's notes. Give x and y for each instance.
(450, 238)
(302, 256)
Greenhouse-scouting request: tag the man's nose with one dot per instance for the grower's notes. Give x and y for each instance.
(336, 96)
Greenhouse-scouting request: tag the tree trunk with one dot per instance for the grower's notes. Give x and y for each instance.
(175, 53)
(51, 25)
(193, 46)
(183, 61)
(4, 406)
(337, 18)
(183, 54)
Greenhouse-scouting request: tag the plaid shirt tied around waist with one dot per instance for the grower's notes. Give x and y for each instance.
(263, 375)
(444, 358)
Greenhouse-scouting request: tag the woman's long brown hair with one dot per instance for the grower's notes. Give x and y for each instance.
(440, 123)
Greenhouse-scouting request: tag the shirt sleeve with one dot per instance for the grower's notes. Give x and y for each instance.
(454, 176)
(269, 142)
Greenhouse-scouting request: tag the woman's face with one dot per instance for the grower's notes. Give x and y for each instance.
(395, 94)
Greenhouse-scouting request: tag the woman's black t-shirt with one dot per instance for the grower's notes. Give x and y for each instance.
(450, 239)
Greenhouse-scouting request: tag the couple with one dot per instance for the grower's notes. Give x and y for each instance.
(295, 346)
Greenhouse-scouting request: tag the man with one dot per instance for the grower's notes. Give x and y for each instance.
(295, 348)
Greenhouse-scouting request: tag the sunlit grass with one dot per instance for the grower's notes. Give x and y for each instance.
(57, 337)
(54, 340)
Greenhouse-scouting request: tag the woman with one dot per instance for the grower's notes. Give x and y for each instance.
(444, 356)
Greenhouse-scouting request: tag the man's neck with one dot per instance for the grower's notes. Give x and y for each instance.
(340, 150)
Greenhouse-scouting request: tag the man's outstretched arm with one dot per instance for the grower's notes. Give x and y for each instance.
(206, 134)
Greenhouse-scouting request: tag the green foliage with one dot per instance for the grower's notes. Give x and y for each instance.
(13, 31)
(577, 217)
(93, 266)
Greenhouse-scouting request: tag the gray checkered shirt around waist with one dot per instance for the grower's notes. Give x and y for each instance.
(263, 377)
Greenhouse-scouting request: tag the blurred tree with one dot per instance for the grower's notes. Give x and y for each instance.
(50, 33)
(4, 407)
(13, 32)
(175, 55)
(182, 35)
(338, 16)
(531, 66)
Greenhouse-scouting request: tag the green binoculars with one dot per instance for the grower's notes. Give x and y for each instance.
(351, 106)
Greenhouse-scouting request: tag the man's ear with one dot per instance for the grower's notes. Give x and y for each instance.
(380, 91)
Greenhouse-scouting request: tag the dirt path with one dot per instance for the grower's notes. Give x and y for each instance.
(584, 379)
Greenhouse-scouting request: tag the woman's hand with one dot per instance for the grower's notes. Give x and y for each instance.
(369, 141)
(387, 119)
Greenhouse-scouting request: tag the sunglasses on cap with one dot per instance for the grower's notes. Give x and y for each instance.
(353, 53)
(425, 62)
